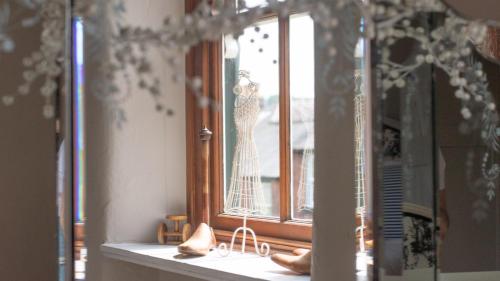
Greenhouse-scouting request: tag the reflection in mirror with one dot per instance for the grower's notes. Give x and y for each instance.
(242, 5)
(363, 187)
(406, 183)
(469, 237)
(439, 218)
(71, 184)
(79, 183)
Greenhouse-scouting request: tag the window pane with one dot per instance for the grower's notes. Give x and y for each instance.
(302, 114)
(251, 121)
(253, 3)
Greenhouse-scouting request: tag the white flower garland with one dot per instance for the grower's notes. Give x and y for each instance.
(448, 47)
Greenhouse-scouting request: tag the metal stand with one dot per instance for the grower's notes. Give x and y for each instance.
(263, 251)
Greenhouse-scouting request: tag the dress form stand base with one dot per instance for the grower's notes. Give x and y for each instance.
(262, 251)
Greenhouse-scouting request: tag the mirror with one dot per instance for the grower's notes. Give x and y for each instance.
(438, 212)
(406, 169)
(469, 239)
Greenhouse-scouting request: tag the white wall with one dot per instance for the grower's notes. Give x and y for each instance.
(136, 175)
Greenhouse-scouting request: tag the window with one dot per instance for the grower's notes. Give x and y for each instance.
(251, 142)
(284, 117)
(262, 149)
(265, 135)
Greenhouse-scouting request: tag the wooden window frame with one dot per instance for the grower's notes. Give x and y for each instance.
(205, 61)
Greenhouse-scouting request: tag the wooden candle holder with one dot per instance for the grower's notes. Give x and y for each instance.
(205, 136)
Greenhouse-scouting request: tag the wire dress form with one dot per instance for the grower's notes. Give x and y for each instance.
(245, 196)
(305, 194)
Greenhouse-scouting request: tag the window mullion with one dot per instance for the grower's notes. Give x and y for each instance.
(284, 120)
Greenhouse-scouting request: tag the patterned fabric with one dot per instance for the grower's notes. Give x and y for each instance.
(391, 143)
(418, 243)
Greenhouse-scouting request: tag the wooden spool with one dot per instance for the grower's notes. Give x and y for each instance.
(177, 236)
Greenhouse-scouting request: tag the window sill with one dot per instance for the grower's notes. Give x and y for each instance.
(241, 267)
